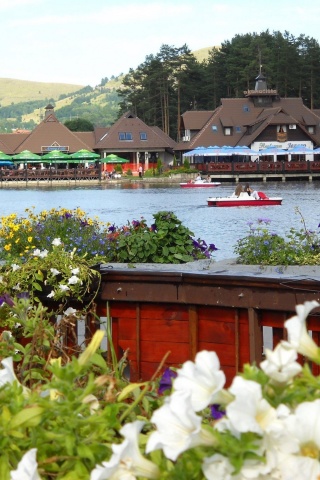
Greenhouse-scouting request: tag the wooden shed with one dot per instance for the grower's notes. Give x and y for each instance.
(236, 311)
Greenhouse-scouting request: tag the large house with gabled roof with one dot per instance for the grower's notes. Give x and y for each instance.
(258, 120)
(128, 137)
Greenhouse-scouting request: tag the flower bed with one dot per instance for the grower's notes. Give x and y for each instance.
(80, 419)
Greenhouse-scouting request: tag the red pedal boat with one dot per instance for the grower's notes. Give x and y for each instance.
(244, 200)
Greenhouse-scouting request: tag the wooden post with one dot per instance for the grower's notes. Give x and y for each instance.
(255, 336)
(193, 331)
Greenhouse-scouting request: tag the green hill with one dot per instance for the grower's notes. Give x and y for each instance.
(22, 102)
(16, 91)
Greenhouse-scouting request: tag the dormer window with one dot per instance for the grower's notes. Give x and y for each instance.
(214, 128)
(311, 129)
(227, 131)
(125, 136)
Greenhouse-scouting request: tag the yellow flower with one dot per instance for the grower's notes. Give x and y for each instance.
(7, 247)
(18, 240)
(29, 239)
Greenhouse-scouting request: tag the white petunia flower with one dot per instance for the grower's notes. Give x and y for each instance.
(56, 242)
(298, 336)
(217, 467)
(126, 462)
(298, 454)
(203, 378)
(51, 294)
(70, 311)
(64, 288)
(178, 427)
(73, 280)
(75, 271)
(15, 267)
(43, 254)
(27, 467)
(7, 374)
(280, 364)
(249, 411)
(54, 271)
(36, 252)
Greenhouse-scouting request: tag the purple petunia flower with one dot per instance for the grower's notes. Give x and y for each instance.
(5, 298)
(166, 380)
(217, 412)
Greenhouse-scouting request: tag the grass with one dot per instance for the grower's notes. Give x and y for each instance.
(16, 91)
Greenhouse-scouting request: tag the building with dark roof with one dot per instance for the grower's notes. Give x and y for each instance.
(259, 120)
(129, 137)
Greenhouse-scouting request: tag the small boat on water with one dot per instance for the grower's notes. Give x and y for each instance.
(199, 183)
(244, 200)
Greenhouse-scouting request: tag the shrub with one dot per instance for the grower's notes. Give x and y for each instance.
(264, 247)
(100, 242)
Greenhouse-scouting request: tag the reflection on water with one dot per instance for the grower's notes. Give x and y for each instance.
(222, 226)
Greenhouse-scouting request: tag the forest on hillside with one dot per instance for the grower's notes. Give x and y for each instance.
(173, 81)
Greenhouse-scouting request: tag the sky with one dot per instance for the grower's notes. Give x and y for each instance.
(83, 41)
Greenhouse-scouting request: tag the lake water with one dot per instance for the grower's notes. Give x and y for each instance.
(222, 226)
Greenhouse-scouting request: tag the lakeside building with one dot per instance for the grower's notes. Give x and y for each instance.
(259, 120)
(129, 137)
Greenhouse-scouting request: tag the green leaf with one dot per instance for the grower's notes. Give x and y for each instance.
(29, 417)
(129, 389)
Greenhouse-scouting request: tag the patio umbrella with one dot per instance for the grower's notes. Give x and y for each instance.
(4, 156)
(5, 163)
(273, 151)
(243, 150)
(196, 151)
(84, 154)
(55, 156)
(113, 159)
(300, 150)
(26, 156)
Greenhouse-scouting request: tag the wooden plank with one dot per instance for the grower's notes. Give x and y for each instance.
(236, 340)
(166, 312)
(141, 292)
(137, 335)
(193, 331)
(159, 330)
(154, 352)
(216, 332)
(255, 336)
(224, 352)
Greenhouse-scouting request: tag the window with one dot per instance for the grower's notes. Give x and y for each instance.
(125, 136)
(227, 131)
(238, 129)
(214, 128)
(246, 108)
(311, 129)
(143, 136)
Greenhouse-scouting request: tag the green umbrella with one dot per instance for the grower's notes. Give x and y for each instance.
(55, 155)
(114, 159)
(26, 156)
(84, 155)
(4, 156)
